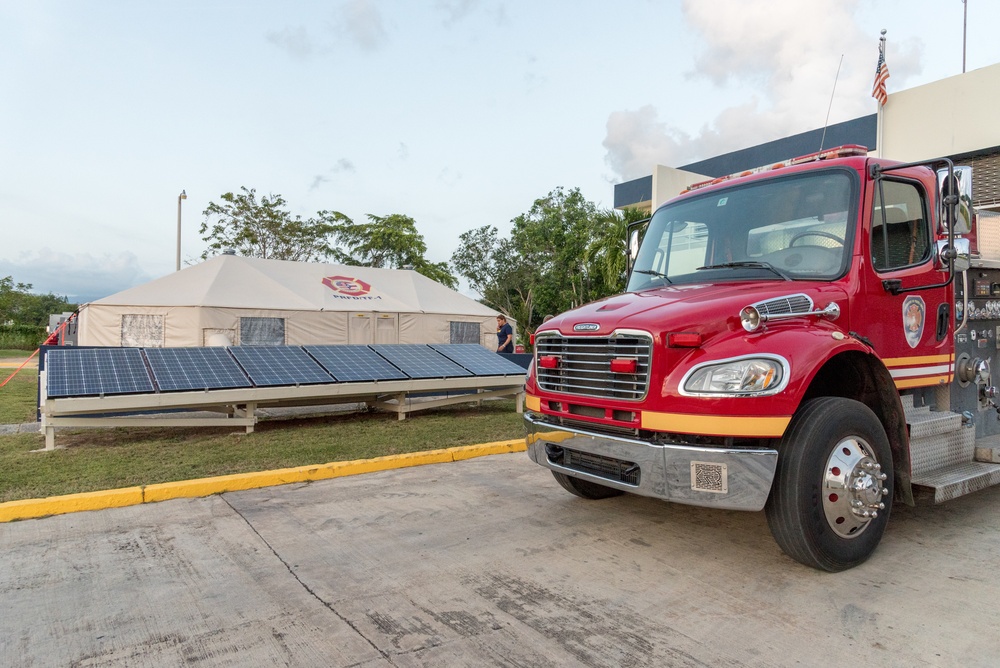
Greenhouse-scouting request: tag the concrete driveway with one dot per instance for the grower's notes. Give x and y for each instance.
(484, 562)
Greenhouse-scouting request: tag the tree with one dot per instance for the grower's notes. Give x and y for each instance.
(552, 237)
(607, 253)
(496, 271)
(543, 268)
(265, 229)
(20, 306)
(390, 242)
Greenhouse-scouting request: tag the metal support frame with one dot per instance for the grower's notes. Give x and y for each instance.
(239, 406)
(402, 403)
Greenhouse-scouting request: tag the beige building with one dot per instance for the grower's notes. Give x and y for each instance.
(956, 117)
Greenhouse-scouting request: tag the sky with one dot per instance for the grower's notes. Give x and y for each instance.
(457, 113)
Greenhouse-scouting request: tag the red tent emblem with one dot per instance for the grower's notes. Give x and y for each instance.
(345, 285)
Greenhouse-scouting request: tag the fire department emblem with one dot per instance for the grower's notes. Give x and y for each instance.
(913, 319)
(345, 285)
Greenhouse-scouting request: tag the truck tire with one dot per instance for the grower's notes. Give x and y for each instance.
(584, 488)
(832, 490)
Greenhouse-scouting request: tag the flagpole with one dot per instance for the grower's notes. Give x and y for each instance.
(879, 119)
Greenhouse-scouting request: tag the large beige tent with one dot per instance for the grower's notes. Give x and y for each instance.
(231, 300)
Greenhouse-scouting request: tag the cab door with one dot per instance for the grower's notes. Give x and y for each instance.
(908, 323)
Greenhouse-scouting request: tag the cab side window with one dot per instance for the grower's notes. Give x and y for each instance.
(900, 227)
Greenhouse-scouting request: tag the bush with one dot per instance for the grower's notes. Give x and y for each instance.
(21, 337)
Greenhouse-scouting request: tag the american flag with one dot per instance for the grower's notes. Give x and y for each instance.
(881, 74)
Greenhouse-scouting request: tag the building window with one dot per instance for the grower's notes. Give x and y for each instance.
(464, 332)
(142, 331)
(262, 331)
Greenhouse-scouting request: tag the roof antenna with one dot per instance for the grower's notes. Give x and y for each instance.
(825, 125)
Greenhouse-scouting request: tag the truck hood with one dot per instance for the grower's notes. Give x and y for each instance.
(704, 308)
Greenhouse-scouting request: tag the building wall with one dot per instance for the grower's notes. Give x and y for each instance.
(950, 117)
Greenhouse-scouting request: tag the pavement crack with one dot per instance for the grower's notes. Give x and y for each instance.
(385, 655)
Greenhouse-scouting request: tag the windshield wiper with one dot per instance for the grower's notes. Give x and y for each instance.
(761, 265)
(651, 272)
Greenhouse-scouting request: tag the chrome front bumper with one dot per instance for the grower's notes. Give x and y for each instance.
(699, 476)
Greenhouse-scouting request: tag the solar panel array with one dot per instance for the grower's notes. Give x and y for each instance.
(177, 369)
(81, 372)
(285, 365)
(354, 363)
(421, 361)
(478, 360)
(87, 372)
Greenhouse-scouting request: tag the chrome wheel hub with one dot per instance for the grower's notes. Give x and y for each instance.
(853, 487)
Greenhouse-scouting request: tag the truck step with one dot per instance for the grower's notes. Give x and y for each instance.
(932, 423)
(930, 453)
(988, 450)
(951, 482)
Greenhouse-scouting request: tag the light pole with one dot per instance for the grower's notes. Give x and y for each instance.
(180, 197)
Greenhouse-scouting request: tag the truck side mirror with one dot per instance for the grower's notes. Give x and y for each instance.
(634, 232)
(961, 186)
(962, 255)
(633, 245)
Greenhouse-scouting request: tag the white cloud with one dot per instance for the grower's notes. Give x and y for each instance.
(788, 55)
(361, 20)
(343, 165)
(80, 277)
(293, 40)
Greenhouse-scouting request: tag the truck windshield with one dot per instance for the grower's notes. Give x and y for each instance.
(788, 228)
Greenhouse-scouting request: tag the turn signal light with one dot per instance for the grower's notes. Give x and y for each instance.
(684, 339)
(623, 365)
(548, 361)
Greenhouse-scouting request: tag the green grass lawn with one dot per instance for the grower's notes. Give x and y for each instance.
(13, 353)
(19, 397)
(96, 459)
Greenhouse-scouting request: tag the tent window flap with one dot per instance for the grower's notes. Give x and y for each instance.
(464, 332)
(142, 331)
(262, 331)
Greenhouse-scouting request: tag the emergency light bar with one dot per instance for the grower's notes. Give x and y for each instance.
(846, 151)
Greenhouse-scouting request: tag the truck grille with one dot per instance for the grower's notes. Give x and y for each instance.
(582, 365)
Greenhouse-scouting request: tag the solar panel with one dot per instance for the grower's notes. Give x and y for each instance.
(82, 372)
(418, 361)
(195, 369)
(354, 363)
(479, 360)
(279, 365)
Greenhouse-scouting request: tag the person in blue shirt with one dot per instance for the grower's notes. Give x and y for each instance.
(505, 335)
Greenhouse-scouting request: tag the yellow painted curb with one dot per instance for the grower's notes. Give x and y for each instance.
(130, 496)
(70, 503)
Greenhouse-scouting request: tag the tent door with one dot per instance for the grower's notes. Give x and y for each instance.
(360, 330)
(386, 328)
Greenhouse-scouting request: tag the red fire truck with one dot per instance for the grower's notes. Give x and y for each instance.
(813, 338)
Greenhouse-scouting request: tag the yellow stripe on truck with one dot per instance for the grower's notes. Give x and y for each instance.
(532, 403)
(716, 425)
(926, 381)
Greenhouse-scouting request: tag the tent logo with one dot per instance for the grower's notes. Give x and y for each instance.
(345, 285)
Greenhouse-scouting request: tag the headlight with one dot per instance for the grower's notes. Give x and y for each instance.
(752, 375)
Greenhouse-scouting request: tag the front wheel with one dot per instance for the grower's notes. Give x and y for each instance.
(832, 489)
(584, 488)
